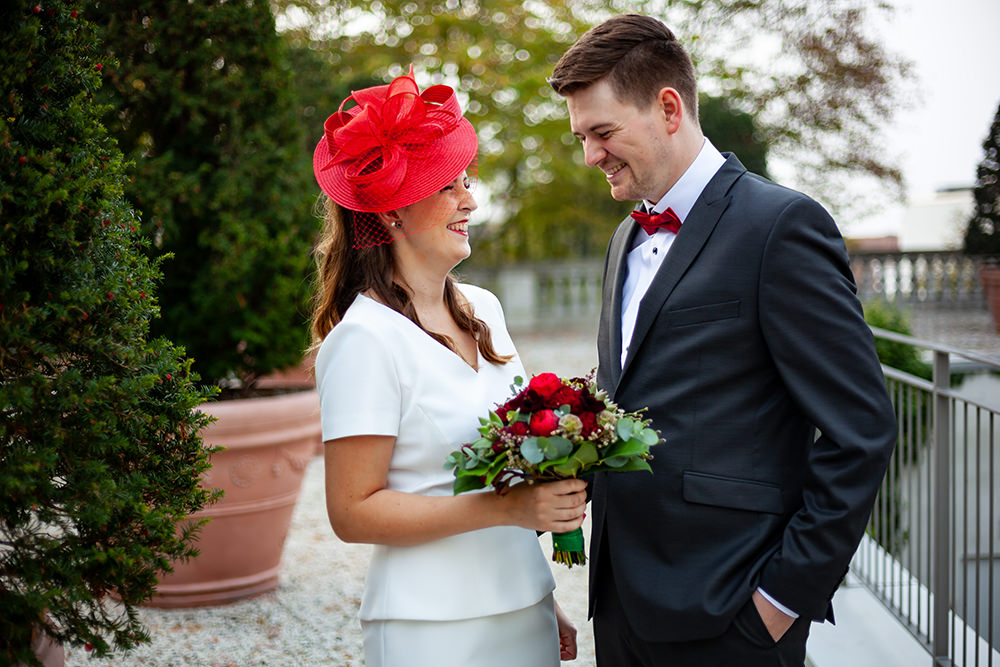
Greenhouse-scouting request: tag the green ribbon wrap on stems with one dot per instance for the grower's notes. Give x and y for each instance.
(567, 548)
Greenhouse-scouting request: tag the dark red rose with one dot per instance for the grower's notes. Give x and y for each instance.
(517, 428)
(531, 401)
(543, 422)
(514, 403)
(591, 404)
(566, 396)
(589, 420)
(502, 413)
(545, 384)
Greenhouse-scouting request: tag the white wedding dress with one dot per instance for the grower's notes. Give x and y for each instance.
(475, 599)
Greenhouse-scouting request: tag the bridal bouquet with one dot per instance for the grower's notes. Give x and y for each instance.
(553, 429)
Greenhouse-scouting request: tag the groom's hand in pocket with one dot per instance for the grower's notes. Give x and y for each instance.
(776, 621)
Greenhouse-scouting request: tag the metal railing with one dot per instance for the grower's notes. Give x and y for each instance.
(932, 550)
(568, 292)
(919, 279)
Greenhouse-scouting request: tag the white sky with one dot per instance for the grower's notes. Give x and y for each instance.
(954, 48)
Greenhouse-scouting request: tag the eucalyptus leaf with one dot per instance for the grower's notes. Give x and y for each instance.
(548, 449)
(531, 451)
(483, 443)
(563, 446)
(649, 437)
(625, 428)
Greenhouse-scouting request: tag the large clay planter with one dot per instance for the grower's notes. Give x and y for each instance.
(269, 442)
(46, 649)
(989, 277)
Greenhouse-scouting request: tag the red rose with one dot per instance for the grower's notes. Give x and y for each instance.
(543, 422)
(545, 384)
(502, 413)
(589, 420)
(590, 403)
(566, 396)
(517, 428)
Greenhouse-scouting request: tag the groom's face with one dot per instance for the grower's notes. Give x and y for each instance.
(629, 144)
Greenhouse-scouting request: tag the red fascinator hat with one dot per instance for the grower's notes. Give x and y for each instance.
(395, 147)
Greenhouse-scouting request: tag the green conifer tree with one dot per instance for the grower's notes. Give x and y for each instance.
(100, 457)
(982, 236)
(202, 102)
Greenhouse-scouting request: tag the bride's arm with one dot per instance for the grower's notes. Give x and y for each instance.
(361, 509)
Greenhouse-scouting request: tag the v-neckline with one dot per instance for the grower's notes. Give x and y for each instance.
(453, 353)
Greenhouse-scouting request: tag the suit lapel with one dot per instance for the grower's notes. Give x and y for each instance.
(611, 317)
(698, 226)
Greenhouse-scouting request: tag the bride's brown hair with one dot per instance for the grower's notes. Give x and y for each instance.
(343, 272)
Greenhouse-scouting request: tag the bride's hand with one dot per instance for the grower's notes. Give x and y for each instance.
(567, 635)
(547, 506)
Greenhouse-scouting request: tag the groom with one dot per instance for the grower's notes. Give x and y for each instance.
(729, 310)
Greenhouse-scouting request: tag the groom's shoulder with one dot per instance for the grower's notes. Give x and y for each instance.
(771, 196)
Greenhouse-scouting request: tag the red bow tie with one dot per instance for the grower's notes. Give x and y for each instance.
(667, 220)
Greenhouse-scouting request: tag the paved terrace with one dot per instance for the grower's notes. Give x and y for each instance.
(311, 618)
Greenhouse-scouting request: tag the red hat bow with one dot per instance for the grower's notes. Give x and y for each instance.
(390, 125)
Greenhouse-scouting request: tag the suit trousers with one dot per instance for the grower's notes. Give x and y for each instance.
(746, 643)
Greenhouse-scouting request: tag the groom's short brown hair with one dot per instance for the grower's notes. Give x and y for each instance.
(638, 54)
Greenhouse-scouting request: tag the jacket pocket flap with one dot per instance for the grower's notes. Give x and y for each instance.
(741, 494)
(708, 313)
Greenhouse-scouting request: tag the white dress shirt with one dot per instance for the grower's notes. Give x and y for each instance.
(647, 253)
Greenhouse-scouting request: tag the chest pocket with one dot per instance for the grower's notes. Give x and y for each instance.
(683, 317)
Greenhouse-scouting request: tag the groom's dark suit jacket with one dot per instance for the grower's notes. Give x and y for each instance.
(751, 353)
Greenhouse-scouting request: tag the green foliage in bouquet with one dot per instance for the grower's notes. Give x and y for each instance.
(203, 103)
(100, 456)
(536, 437)
(553, 429)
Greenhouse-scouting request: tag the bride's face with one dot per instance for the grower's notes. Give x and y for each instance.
(436, 228)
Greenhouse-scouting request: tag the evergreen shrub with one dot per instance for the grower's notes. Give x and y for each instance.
(100, 457)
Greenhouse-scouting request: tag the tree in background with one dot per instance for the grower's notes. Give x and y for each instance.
(201, 101)
(818, 94)
(982, 236)
(99, 449)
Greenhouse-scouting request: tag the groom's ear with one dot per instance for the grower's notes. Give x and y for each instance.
(670, 105)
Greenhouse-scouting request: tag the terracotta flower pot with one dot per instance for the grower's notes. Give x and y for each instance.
(989, 277)
(269, 442)
(48, 651)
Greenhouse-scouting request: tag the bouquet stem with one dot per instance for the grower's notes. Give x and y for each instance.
(567, 548)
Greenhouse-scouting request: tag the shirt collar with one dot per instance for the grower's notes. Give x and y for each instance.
(685, 192)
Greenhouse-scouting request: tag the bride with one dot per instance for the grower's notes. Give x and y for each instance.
(408, 360)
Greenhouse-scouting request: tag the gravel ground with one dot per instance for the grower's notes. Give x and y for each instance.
(311, 619)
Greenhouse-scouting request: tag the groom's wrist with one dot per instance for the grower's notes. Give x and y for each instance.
(777, 605)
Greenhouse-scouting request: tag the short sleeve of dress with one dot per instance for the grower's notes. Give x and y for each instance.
(358, 383)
